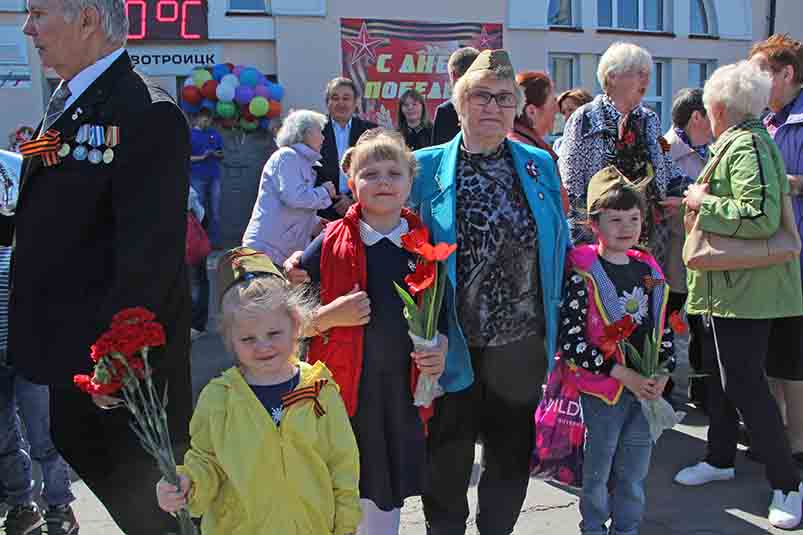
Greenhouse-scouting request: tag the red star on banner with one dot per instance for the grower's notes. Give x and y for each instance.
(363, 44)
(484, 40)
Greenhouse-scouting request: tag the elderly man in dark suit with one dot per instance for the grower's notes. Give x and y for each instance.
(99, 227)
(447, 125)
(342, 131)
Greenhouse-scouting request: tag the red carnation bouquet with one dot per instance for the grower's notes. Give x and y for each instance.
(659, 413)
(422, 304)
(122, 368)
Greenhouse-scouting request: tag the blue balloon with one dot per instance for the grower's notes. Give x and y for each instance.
(263, 80)
(264, 124)
(249, 77)
(278, 91)
(219, 71)
(189, 108)
(208, 104)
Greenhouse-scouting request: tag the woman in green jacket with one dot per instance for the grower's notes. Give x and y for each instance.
(746, 307)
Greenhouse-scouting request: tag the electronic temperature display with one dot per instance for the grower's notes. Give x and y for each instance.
(167, 20)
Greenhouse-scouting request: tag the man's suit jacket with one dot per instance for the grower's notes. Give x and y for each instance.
(330, 163)
(446, 125)
(92, 239)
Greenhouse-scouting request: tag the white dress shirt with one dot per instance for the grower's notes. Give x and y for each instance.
(342, 135)
(370, 236)
(86, 77)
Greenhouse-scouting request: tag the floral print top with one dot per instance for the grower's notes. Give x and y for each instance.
(634, 284)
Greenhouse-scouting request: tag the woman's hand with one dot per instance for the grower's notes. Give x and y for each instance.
(170, 498)
(432, 362)
(343, 204)
(295, 274)
(330, 189)
(642, 387)
(348, 310)
(695, 195)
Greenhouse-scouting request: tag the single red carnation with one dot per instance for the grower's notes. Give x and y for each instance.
(133, 315)
(90, 386)
(154, 334)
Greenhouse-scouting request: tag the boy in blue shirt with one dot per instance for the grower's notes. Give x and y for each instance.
(207, 153)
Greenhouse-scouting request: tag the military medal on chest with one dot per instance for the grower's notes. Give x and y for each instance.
(97, 137)
(81, 151)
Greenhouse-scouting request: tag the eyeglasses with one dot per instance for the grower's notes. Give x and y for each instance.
(483, 98)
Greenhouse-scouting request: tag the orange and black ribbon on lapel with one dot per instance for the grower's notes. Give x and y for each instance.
(308, 392)
(47, 146)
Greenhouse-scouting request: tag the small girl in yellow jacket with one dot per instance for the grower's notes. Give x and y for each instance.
(272, 450)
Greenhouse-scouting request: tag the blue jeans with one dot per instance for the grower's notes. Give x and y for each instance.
(33, 402)
(208, 189)
(15, 464)
(618, 448)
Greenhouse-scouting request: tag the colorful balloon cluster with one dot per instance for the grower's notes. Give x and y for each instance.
(236, 95)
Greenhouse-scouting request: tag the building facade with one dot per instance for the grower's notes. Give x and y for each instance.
(298, 41)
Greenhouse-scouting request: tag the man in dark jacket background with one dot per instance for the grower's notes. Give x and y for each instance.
(342, 131)
(99, 227)
(447, 124)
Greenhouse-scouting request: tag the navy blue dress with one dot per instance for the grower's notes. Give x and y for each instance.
(389, 432)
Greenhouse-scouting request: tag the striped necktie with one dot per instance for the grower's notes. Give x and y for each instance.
(56, 106)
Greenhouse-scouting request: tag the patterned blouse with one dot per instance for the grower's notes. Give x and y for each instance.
(634, 296)
(498, 288)
(591, 142)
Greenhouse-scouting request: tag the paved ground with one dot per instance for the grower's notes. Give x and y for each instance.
(733, 508)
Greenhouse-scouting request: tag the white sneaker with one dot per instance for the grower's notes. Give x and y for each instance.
(702, 473)
(195, 334)
(785, 509)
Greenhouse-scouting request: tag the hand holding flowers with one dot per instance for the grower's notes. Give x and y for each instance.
(122, 367)
(427, 284)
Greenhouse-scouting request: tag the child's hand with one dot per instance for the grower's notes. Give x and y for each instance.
(660, 385)
(642, 387)
(348, 310)
(295, 274)
(169, 497)
(432, 361)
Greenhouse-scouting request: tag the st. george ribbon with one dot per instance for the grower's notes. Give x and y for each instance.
(10, 173)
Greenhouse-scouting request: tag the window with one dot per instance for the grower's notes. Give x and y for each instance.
(699, 71)
(248, 6)
(631, 14)
(561, 13)
(564, 71)
(656, 97)
(699, 18)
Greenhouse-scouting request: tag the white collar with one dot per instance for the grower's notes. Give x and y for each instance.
(87, 77)
(370, 236)
(346, 128)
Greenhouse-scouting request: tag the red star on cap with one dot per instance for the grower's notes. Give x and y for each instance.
(363, 44)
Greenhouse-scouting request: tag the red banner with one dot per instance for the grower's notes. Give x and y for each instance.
(385, 58)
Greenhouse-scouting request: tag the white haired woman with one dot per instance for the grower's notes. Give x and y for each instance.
(617, 129)
(747, 307)
(284, 218)
(499, 201)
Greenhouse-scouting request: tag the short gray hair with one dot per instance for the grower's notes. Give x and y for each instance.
(296, 126)
(112, 13)
(622, 58)
(464, 84)
(743, 88)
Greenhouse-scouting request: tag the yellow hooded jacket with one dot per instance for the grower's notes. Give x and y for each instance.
(252, 478)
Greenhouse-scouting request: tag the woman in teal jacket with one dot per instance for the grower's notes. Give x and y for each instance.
(500, 202)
